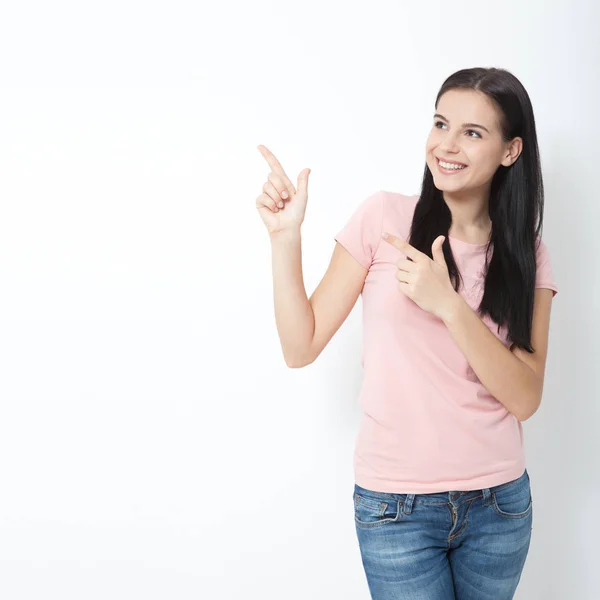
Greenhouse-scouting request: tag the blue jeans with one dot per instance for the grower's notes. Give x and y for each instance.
(445, 546)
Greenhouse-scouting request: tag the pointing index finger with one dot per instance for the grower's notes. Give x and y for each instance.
(403, 246)
(276, 167)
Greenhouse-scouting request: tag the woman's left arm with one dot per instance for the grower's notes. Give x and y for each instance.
(514, 377)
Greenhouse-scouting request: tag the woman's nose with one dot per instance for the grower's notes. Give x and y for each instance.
(449, 144)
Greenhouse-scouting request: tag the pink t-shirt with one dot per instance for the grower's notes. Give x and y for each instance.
(427, 424)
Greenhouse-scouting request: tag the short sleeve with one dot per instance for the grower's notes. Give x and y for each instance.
(361, 234)
(544, 277)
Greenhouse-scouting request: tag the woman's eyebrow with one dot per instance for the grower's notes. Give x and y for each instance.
(464, 124)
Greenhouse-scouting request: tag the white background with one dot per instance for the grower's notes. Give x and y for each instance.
(153, 442)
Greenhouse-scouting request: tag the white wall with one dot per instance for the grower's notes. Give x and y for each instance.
(154, 444)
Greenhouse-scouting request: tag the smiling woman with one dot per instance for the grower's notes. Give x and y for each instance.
(454, 343)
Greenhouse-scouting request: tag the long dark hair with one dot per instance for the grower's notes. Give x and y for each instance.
(516, 209)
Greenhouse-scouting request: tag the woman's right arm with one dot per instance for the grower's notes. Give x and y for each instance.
(305, 326)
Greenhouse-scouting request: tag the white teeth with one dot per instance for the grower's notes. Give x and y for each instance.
(449, 165)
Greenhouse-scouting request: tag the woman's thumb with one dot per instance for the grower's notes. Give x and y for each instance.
(303, 180)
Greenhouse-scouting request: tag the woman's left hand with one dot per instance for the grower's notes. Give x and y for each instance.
(425, 281)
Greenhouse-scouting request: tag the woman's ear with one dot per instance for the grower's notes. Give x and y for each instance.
(513, 151)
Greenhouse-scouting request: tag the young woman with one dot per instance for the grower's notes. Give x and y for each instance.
(456, 311)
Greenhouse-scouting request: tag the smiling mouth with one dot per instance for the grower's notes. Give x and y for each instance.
(445, 171)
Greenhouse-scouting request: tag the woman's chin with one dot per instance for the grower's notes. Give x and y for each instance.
(442, 183)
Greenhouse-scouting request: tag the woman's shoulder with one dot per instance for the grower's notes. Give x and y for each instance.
(399, 200)
(398, 206)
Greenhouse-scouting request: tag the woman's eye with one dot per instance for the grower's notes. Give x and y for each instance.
(468, 130)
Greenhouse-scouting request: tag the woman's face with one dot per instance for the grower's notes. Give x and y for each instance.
(455, 137)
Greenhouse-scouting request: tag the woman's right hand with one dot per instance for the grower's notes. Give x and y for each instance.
(293, 206)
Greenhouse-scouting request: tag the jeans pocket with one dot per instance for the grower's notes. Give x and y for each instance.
(371, 511)
(513, 500)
